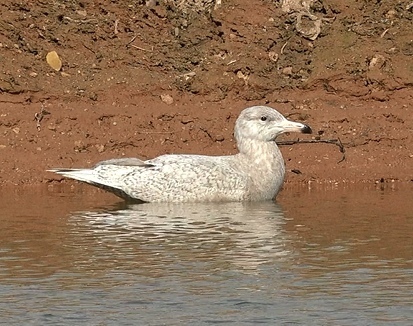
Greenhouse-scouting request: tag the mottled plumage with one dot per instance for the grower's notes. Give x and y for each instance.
(255, 173)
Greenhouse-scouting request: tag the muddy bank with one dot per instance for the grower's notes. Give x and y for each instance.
(378, 147)
(146, 79)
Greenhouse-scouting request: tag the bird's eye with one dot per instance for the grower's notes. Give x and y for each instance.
(263, 118)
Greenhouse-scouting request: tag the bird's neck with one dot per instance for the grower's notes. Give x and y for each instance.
(265, 166)
(259, 150)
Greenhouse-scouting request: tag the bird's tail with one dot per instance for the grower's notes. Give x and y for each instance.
(91, 177)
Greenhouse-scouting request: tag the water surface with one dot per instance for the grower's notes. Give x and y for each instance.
(336, 257)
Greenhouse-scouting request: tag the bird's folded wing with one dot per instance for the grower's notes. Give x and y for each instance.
(130, 161)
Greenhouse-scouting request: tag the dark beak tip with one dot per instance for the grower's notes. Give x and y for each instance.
(306, 130)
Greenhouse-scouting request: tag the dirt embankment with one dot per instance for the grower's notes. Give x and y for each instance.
(146, 78)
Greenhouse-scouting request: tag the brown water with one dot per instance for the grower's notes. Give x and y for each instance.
(336, 257)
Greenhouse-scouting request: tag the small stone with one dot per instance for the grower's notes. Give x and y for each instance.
(273, 56)
(100, 148)
(377, 61)
(93, 96)
(16, 130)
(186, 120)
(166, 98)
(82, 13)
(287, 71)
(79, 146)
(52, 58)
(33, 74)
(219, 138)
(391, 14)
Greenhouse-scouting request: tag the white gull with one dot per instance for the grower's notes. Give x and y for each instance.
(256, 173)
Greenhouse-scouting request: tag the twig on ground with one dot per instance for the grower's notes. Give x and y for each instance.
(139, 48)
(90, 49)
(133, 39)
(154, 132)
(116, 26)
(283, 47)
(384, 33)
(38, 117)
(135, 46)
(84, 21)
(336, 142)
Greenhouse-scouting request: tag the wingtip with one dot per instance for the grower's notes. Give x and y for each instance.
(60, 170)
(56, 170)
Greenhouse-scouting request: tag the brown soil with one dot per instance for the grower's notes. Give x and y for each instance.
(145, 79)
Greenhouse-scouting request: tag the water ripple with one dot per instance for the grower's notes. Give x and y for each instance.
(338, 261)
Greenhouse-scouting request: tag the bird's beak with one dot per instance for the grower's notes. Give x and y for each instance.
(291, 126)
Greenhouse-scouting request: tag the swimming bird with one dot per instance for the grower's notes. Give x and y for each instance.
(256, 173)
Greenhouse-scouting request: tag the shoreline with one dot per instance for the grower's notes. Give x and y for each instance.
(79, 133)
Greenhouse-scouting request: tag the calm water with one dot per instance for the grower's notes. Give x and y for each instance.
(315, 258)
